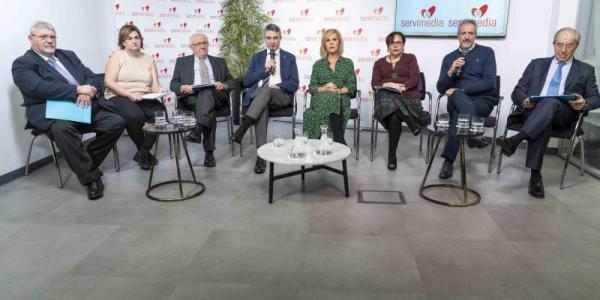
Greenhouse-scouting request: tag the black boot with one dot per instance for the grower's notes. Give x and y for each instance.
(337, 128)
(393, 124)
(238, 135)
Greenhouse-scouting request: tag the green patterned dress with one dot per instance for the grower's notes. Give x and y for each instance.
(326, 103)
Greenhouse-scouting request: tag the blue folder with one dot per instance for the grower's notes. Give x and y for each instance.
(68, 110)
(565, 98)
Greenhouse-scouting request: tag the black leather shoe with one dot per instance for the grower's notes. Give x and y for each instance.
(392, 163)
(261, 166)
(446, 171)
(95, 189)
(507, 147)
(536, 187)
(141, 157)
(477, 142)
(238, 135)
(209, 160)
(194, 137)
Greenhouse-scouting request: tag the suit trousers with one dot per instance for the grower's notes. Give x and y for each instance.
(136, 114)
(265, 97)
(205, 104)
(461, 103)
(547, 114)
(85, 161)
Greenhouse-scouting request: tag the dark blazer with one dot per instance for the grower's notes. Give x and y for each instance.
(184, 72)
(38, 82)
(581, 80)
(256, 72)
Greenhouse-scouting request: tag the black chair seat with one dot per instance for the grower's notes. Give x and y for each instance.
(353, 113)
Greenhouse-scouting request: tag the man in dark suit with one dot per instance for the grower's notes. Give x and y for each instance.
(468, 78)
(271, 83)
(203, 69)
(45, 72)
(558, 75)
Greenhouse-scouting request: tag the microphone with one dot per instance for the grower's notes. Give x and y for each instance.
(272, 56)
(463, 54)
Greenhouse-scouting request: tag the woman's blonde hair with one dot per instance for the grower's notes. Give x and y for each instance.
(326, 33)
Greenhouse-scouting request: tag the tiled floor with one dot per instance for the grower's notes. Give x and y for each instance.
(312, 243)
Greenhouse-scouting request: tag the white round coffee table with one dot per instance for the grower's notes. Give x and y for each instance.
(280, 155)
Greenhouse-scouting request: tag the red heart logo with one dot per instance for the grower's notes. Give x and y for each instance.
(483, 9)
(272, 12)
(118, 6)
(380, 9)
(357, 71)
(431, 11)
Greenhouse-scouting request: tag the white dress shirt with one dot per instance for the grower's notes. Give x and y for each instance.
(197, 73)
(274, 78)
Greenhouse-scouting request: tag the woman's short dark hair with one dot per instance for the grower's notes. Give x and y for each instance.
(390, 37)
(125, 31)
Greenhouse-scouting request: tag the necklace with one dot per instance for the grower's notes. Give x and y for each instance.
(394, 73)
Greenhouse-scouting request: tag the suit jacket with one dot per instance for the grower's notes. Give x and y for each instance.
(478, 74)
(256, 72)
(581, 80)
(38, 81)
(184, 73)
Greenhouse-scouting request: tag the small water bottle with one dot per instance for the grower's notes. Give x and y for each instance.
(324, 147)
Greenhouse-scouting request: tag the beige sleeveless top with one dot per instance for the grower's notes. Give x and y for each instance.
(135, 74)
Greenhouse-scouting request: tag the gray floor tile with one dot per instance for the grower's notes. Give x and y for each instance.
(153, 252)
(116, 288)
(230, 291)
(374, 263)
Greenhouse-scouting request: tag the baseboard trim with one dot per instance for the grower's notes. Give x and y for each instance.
(20, 172)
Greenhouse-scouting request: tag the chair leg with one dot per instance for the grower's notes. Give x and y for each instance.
(498, 169)
(56, 165)
(376, 132)
(116, 158)
(492, 151)
(372, 139)
(429, 145)
(29, 154)
(582, 155)
(420, 142)
(356, 137)
(571, 149)
(230, 134)
(170, 147)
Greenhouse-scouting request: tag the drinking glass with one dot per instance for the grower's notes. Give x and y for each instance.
(278, 140)
(443, 120)
(462, 121)
(160, 118)
(477, 124)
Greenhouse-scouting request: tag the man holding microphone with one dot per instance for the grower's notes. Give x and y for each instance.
(468, 78)
(271, 81)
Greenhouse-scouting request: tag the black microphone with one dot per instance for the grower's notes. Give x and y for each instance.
(463, 54)
(272, 56)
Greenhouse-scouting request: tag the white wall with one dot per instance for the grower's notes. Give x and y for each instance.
(80, 27)
(87, 27)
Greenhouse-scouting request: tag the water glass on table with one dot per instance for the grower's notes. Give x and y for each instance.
(462, 121)
(443, 120)
(477, 124)
(160, 118)
(278, 140)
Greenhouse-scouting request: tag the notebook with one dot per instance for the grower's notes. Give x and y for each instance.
(68, 110)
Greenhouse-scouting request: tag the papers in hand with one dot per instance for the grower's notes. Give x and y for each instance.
(65, 109)
(565, 98)
(153, 96)
(198, 87)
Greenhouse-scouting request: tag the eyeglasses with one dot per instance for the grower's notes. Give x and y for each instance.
(200, 44)
(45, 36)
(397, 43)
(564, 46)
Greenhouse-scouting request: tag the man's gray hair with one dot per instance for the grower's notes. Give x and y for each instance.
(40, 25)
(467, 21)
(198, 34)
(571, 29)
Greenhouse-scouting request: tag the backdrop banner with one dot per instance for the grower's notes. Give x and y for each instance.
(167, 25)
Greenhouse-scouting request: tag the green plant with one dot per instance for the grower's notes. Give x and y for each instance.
(241, 33)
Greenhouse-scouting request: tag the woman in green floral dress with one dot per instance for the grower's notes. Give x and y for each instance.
(332, 80)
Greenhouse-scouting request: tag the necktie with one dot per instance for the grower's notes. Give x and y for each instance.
(53, 61)
(204, 79)
(554, 86)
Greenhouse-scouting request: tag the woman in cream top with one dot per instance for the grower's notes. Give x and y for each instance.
(130, 74)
